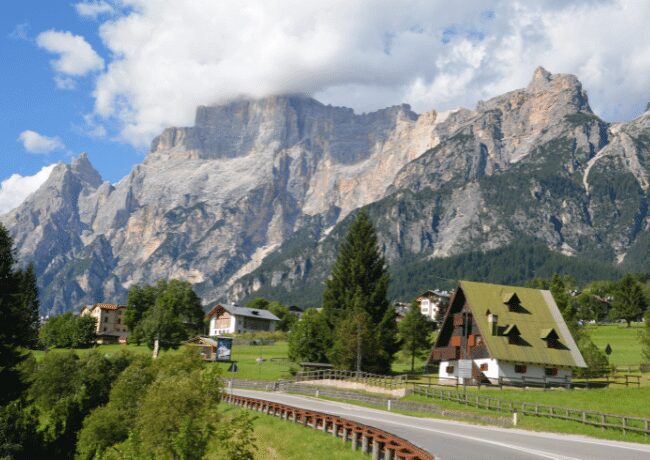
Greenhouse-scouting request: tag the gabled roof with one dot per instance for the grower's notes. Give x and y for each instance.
(242, 311)
(201, 340)
(539, 315)
(103, 306)
(435, 292)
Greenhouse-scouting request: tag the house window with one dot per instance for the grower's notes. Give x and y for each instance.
(478, 340)
(449, 369)
(104, 328)
(118, 320)
(550, 371)
(520, 368)
(484, 367)
(552, 343)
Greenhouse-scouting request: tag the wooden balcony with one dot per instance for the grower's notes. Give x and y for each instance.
(458, 319)
(445, 353)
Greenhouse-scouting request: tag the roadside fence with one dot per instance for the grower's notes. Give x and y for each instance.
(366, 378)
(379, 443)
(602, 420)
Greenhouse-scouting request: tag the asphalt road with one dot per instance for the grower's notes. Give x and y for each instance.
(449, 440)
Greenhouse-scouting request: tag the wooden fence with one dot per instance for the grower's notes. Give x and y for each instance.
(376, 380)
(602, 420)
(367, 438)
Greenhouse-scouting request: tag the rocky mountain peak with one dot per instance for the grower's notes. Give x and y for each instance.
(84, 170)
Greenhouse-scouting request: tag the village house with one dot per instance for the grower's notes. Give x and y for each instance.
(432, 302)
(233, 319)
(504, 335)
(110, 322)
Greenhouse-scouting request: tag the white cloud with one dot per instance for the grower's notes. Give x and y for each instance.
(34, 142)
(76, 56)
(93, 9)
(168, 57)
(16, 188)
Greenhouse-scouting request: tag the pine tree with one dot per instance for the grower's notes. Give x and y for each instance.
(357, 290)
(18, 317)
(629, 302)
(414, 332)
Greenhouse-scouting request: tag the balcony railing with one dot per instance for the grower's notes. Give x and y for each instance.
(445, 353)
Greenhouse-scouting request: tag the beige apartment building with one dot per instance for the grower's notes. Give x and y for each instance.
(110, 322)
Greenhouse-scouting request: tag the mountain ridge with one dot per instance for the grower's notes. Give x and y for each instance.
(224, 203)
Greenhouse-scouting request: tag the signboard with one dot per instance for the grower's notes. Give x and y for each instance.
(464, 368)
(224, 348)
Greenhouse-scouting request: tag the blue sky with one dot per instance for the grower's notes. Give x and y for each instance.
(106, 76)
(30, 100)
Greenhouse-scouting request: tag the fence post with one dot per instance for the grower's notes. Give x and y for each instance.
(375, 449)
(355, 440)
(624, 425)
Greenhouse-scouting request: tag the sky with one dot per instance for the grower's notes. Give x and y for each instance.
(106, 76)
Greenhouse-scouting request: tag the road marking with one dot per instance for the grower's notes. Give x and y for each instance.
(355, 410)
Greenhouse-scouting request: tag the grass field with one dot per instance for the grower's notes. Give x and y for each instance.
(625, 343)
(277, 439)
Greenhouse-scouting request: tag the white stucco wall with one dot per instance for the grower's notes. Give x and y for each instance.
(506, 370)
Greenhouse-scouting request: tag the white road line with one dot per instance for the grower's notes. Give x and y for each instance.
(554, 436)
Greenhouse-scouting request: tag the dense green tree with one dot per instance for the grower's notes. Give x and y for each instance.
(309, 338)
(19, 434)
(287, 319)
(140, 300)
(69, 331)
(354, 340)
(18, 318)
(591, 307)
(414, 330)
(175, 314)
(66, 388)
(359, 280)
(629, 302)
(259, 302)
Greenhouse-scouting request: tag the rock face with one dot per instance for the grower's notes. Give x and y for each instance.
(210, 201)
(254, 196)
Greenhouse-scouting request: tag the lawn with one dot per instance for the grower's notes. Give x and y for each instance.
(625, 343)
(276, 364)
(277, 439)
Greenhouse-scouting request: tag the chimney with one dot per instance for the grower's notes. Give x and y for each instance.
(492, 321)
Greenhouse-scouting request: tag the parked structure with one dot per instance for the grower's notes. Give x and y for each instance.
(110, 322)
(233, 319)
(504, 334)
(432, 302)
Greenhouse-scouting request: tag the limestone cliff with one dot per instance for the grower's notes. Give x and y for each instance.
(254, 196)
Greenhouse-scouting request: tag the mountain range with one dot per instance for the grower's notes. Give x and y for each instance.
(254, 198)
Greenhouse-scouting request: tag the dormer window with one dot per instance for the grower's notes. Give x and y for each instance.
(551, 337)
(511, 299)
(513, 334)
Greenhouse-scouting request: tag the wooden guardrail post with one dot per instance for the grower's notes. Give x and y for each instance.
(375, 448)
(364, 443)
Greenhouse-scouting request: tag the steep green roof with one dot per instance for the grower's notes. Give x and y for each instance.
(537, 315)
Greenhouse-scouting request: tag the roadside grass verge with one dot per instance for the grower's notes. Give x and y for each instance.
(278, 439)
(631, 401)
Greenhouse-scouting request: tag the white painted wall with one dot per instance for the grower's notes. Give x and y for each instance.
(506, 370)
(213, 327)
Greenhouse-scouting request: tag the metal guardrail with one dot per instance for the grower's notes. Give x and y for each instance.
(602, 420)
(383, 381)
(369, 439)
